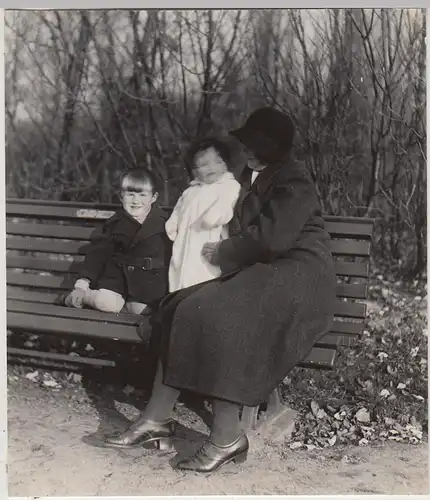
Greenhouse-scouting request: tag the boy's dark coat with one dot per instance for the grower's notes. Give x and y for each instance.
(238, 336)
(117, 256)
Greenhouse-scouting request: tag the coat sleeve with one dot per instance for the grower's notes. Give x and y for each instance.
(100, 248)
(221, 211)
(278, 225)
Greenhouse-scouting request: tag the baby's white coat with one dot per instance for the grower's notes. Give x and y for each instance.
(200, 216)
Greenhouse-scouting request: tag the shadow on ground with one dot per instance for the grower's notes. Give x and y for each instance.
(192, 414)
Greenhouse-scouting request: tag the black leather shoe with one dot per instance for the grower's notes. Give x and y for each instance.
(210, 457)
(143, 432)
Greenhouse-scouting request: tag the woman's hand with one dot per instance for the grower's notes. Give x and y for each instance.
(210, 253)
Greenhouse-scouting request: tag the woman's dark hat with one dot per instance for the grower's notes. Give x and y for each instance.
(268, 133)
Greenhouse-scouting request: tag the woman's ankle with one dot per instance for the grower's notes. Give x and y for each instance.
(225, 437)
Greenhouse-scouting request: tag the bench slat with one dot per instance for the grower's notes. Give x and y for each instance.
(348, 230)
(13, 352)
(347, 328)
(350, 248)
(65, 213)
(338, 247)
(350, 309)
(58, 311)
(45, 246)
(358, 291)
(320, 358)
(349, 219)
(337, 230)
(16, 293)
(350, 269)
(43, 264)
(352, 291)
(26, 322)
(329, 341)
(38, 281)
(55, 231)
(23, 203)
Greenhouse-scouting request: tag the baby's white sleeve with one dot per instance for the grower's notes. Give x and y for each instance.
(221, 211)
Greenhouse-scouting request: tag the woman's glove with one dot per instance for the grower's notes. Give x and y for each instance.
(210, 253)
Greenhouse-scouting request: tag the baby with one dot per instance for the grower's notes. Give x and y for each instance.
(201, 214)
(127, 259)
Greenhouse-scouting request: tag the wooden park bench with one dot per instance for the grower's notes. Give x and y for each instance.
(45, 240)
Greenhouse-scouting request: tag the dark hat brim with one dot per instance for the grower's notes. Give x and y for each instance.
(265, 148)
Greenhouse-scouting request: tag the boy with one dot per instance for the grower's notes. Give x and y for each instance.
(127, 259)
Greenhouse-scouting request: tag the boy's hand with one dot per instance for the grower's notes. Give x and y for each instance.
(210, 253)
(75, 298)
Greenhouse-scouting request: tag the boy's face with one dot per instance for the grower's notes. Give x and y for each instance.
(208, 166)
(137, 198)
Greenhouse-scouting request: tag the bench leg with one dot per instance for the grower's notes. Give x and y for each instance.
(277, 423)
(274, 402)
(249, 418)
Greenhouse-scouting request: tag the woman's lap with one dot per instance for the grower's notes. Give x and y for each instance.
(227, 335)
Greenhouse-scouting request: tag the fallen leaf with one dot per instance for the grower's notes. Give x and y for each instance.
(33, 376)
(311, 447)
(51, 383)
(296, 445)
(332, 441)
(362, 415)
(315, 408)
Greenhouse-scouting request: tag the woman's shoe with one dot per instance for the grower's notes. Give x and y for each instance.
(211, 456)
(143, 432)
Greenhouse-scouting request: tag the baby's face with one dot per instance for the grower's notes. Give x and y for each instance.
(209, 166)
(137, 199)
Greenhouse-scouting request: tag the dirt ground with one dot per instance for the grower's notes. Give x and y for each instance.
(52, 436)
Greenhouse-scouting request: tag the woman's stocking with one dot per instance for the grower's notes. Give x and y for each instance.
(162, 401)
(226, 424)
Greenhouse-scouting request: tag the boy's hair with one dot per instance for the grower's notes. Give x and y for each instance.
(138, 176)
(200, 145)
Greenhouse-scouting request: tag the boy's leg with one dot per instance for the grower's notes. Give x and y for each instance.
(103, 300)
(137, 307)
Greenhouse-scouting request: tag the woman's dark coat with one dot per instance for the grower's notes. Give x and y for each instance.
(237, 337)
(130, 258)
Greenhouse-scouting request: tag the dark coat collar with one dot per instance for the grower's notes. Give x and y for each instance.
(153, 224)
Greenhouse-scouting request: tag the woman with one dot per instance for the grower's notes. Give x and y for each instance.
(233, 339)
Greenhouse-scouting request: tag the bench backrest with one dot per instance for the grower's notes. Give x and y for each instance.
(45, 240)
